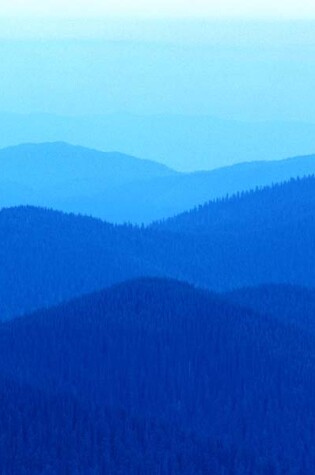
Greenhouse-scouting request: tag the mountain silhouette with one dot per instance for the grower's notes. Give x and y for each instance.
(120, 188)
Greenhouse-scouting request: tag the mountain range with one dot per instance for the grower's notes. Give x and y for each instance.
(186, 143)
(182, 346)
(119, 188)
(258, 237)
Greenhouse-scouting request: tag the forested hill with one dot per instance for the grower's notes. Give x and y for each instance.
(155, 377)
(288, 303)
(47, 257)
(283, 204)
(262, 237)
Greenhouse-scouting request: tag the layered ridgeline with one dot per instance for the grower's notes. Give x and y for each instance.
(179, 141)
(259, 237)
(155, 377)
(119, 188)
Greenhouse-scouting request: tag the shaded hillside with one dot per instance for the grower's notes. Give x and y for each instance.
(264, 236)
(290, 304)
(190, 366)
(47, 257)
(261, 237)
(47, 433)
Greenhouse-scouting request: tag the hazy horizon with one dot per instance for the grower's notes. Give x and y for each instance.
(193, 89)
(241, 69)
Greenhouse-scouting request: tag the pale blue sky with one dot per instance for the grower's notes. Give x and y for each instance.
(245, 61)
(57, 58)
(161, 8)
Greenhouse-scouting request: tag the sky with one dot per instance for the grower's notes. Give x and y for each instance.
(161, 8)
(233, 59)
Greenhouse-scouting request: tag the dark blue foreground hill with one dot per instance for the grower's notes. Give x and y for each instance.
(155, 377)
(290, 304)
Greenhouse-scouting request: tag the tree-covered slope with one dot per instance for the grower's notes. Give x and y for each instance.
(56, 434)
(47, 257)
(175, 358)
(261, 237)
(290, 304)
(272, 208)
